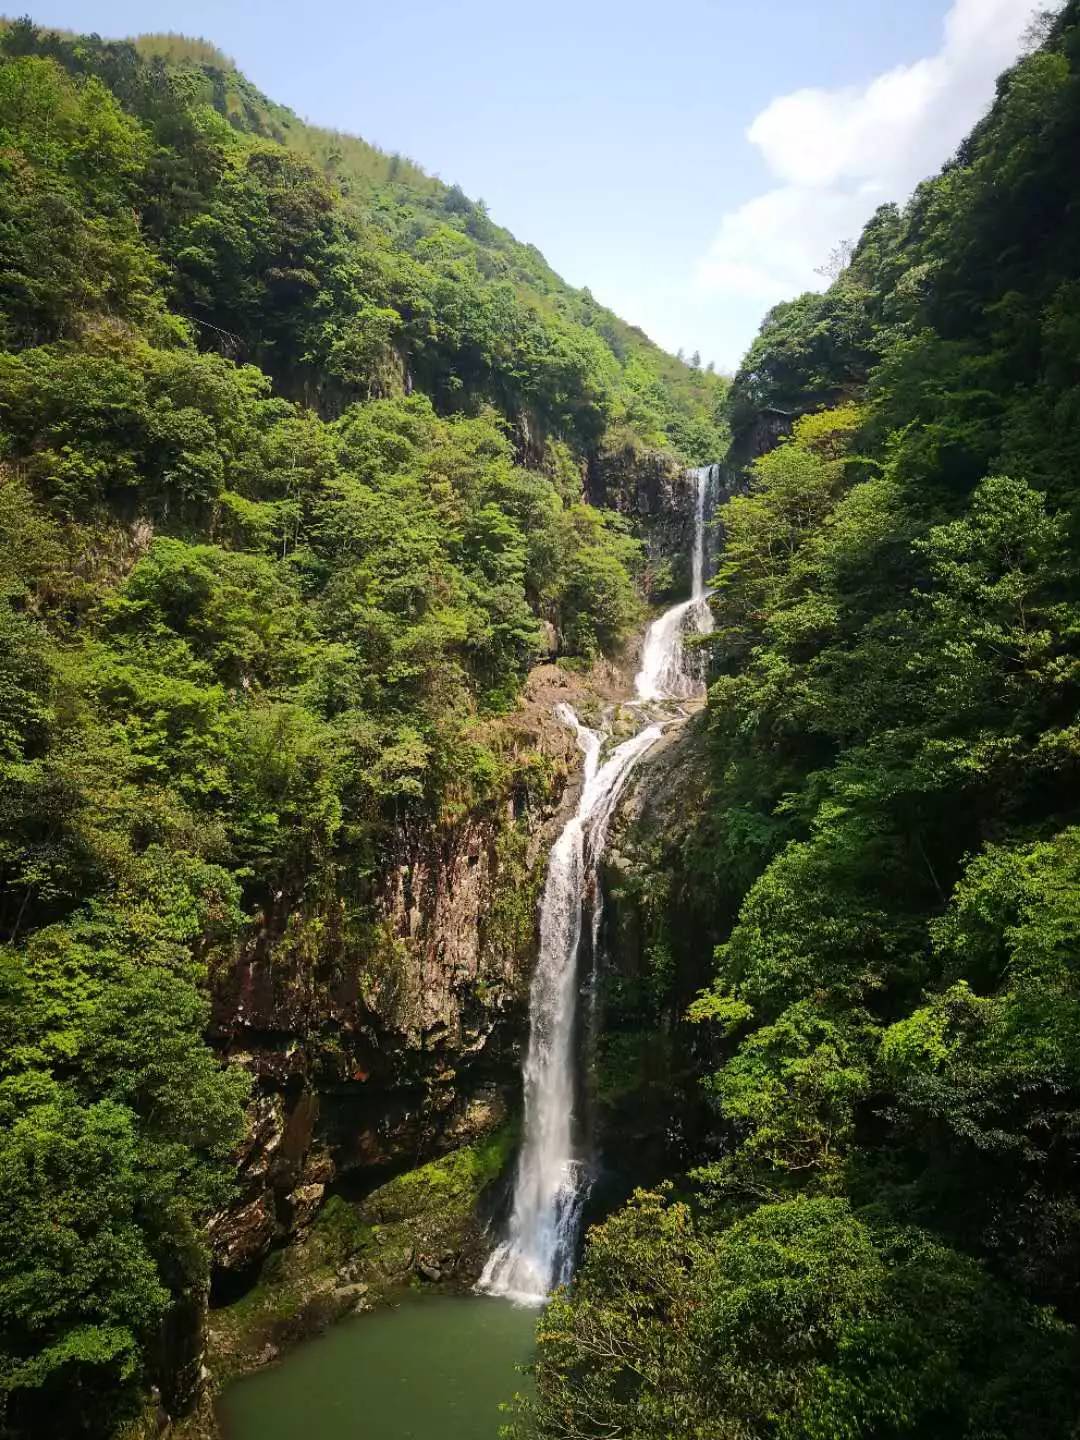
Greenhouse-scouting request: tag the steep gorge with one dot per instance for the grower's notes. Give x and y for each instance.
(425, 1229)
(355, 1087)
(331, 520)
(318, 492)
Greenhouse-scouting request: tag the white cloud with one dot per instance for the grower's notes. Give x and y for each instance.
(838, 154)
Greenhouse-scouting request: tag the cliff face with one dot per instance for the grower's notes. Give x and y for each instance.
(656, 494)
(656, 950)
(372, 1051)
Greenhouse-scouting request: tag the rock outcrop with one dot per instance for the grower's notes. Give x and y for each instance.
(762, 433)
(656, 494)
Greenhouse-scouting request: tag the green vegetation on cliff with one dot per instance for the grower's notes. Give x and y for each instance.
(293, 441)
(883, 1236)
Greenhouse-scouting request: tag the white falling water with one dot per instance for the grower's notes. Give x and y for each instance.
(667, 672)
(550, 1188)
(552, 1180)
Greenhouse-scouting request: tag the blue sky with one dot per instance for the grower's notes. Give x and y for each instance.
(690, 162)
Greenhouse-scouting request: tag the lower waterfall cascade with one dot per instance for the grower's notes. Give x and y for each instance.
(553, 1175)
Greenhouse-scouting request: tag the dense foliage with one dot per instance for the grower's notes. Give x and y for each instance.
(292, 447)
(885, 1237)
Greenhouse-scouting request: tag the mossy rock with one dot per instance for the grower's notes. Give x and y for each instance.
(359, 1254)
(449, 1186)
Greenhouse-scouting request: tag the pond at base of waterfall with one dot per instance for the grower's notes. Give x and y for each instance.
(434, 1367)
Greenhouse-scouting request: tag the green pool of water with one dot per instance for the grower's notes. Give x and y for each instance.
(436, 1367)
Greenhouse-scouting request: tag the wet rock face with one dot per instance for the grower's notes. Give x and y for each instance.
(427, 1225)
(242, 1235)
(656, 953)
(435, 904)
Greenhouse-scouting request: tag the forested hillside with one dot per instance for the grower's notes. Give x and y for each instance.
(294, 444)
(882, 1235)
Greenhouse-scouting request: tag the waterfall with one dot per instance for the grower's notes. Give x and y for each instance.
(551, 1186)
(667, 672)
(553, 1172)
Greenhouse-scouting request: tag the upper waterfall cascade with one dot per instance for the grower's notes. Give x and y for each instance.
(668, 671)
(553, 1173)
